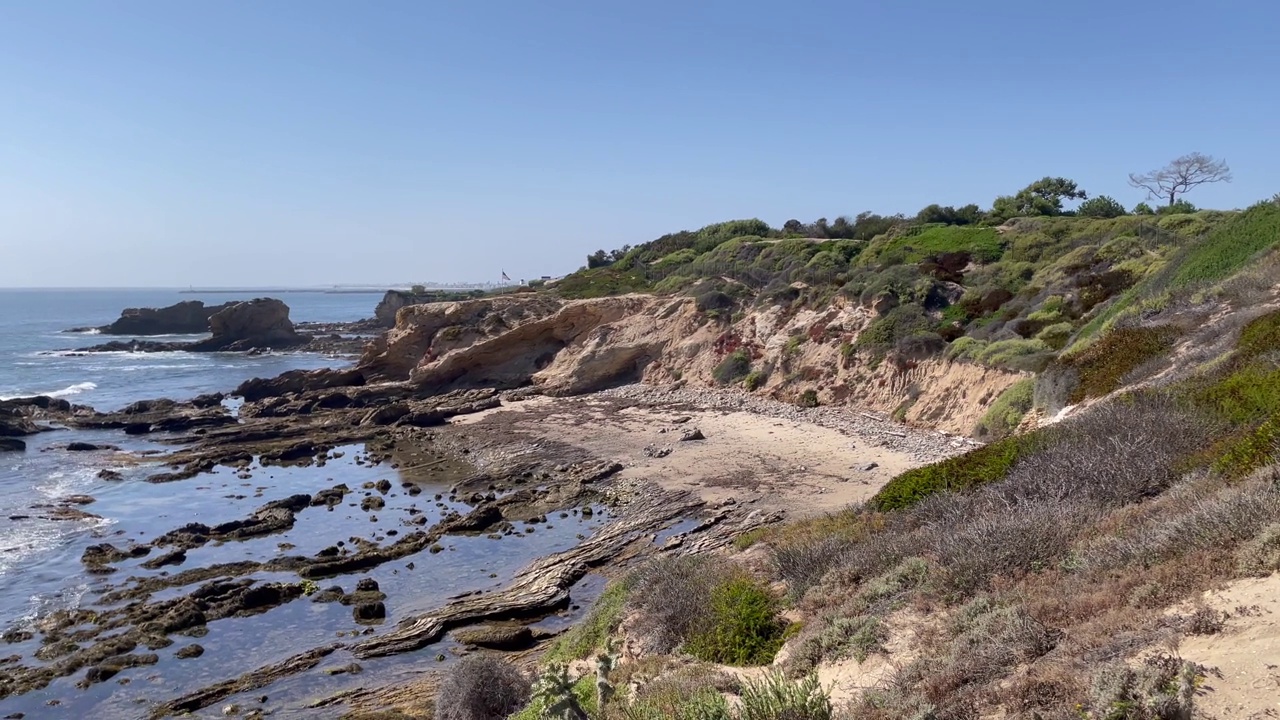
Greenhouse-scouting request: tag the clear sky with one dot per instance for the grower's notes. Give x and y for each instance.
(316, 142)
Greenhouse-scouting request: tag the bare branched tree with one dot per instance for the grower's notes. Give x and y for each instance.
(1182, 175)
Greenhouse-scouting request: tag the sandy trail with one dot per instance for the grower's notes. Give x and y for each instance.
(1246, 652)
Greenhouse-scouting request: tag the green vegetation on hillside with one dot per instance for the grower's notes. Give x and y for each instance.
(1049, 559)
(1088, 529)
(1027, 286)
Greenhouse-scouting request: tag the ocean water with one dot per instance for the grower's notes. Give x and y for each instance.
(40, 568)
(39, 559)
(37, 357)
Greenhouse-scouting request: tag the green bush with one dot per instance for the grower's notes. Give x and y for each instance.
(1181, 207)
(1007, 411)
(679, 257)
(602, 282)
(1101, 206)
(808, 398)
(983, 244)
(898, 324)
(1260, 336)
(984, 465)
(1013, 354)
(735, 366)
(1055, 335)
(1244, 454)
(1104, 364)
(583, 692)
(684, 704)
(599, 624)
(755, 379)
(1230, 246)
(744, 627)
(774, 697)
(1245, 396)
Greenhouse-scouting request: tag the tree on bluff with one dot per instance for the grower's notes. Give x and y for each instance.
(1042, 197)
(1181, 176)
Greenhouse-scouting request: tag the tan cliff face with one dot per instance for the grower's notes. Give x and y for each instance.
(571, 347)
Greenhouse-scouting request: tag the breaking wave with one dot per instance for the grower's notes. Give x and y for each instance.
(64, 392)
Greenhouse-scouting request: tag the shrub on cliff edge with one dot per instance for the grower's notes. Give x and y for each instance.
(481, 687)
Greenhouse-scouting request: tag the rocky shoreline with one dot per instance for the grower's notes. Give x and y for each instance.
(473, 455)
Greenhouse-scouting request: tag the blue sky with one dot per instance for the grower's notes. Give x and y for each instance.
(317, 142)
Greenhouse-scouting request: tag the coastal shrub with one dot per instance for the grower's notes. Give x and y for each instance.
(1027, 355)
(1121, 452)
(1260, 336)
(602, 282)
(554, 695)
(1102, 365)
(855, 628)
(1101, 206)
(984, 465)
(1181, 207)
(1013, 354)
(1230, 246)
(1246, 452)
(899, 323)
(735, 366)
(1007, 411)
(1260, 556)
(755, 379)
(714, 300)
(599, 624)
(1055, 335)
(1163, 687)
(670, 599)
(982, 244)
(1005, 544)
(802, 562)
(1246, 395)
(808, 398)
(774, 697)
(664, 700)
(481, 687)
(743, 627)
(1218, 519)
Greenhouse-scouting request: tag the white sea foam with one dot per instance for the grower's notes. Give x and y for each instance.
(45, 604)
(61, 483)
(64, 392)
(74, 389)
(77, 353)
(23, 540)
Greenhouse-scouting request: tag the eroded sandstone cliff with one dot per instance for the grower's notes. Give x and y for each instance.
(571, 347)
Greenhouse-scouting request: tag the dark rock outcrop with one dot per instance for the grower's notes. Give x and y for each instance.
(496, 637)
(89, 447)
(15, 419)
(369, 612)
(296, 381)
(190, 317)
(260, 323)
(190, 651)
(12, 445)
